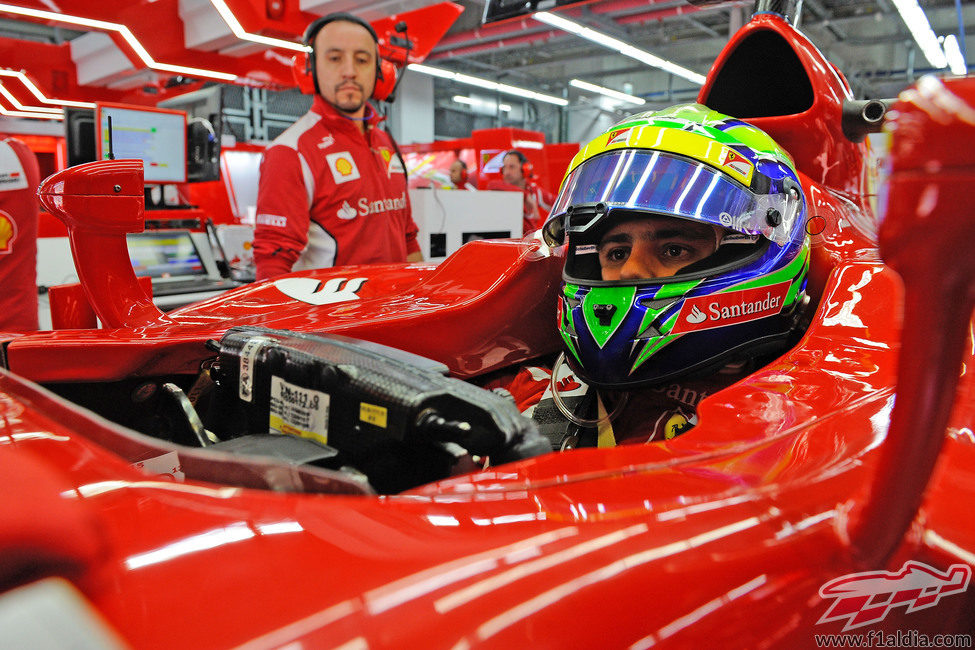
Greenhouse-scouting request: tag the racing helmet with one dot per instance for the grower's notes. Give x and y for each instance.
(739, 301)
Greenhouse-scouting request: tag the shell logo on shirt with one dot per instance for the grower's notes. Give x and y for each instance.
(343, 167)
(8, 233)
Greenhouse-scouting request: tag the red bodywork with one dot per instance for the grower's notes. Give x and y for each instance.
(722, 537)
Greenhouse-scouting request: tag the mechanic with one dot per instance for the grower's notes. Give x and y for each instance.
(333, 187)
(517, 172)
(685, 270)
(19, 177)
(459, 176)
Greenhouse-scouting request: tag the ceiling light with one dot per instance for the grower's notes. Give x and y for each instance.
(916, 21)
(471, 101)
(125, 33)
(486, 83)
(615, 94)
(37, 92)
(238, 30)
(37, 109)
(36, 116)
(953, 53)
(599, 38)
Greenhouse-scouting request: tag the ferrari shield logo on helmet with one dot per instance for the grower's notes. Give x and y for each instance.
(734, 160)
(619, 135)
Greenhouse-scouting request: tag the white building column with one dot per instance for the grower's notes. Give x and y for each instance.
(411, 115)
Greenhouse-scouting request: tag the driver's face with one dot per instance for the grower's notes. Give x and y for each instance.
(654, 247)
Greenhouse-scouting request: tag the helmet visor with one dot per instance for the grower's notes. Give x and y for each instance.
(666, 184)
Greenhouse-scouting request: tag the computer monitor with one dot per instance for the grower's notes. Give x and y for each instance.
(154, 135)
(204, 131)
(165, 254)
(79, 135)
(495, 10)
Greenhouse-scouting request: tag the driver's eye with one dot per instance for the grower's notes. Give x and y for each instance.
(673, 250)
(617, 254)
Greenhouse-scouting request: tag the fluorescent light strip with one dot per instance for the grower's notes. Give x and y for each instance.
(37, 92)
(235, 26)
(471, 101)
(485, 83)
(953, 54)
(615, 94)
(37, 109)
(36, 116)
(125, 33)
(917, 22)
(626, 49)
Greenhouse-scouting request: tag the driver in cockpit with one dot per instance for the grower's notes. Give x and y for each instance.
(685, 269)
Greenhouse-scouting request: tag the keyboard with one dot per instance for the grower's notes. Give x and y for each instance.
(195, 285)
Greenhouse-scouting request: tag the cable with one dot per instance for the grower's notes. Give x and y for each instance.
(443, 210)
(567, 412)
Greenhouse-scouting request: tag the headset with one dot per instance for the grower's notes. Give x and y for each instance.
(527, 169)
(303, 64)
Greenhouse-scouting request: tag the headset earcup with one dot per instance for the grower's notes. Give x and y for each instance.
(527, 170)
(385, 82)
(301, 69)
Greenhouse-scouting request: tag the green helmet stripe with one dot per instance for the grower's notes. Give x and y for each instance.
(617, 303)
(652, 347)
(570, 344)
(795, 268)
(675, 289)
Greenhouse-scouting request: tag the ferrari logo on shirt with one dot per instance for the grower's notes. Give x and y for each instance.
(393, 163)
(343, 166)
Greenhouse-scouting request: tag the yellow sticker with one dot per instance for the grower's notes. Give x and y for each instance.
(298, 411)
(686, 143)
(372, 414)
(676, 425)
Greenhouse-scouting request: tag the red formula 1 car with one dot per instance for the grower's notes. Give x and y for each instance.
(805, 503)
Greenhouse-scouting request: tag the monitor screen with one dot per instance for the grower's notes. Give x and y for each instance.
(495, 10)
(164, 254)
(154, 135)
(204, 131)
(79, 135)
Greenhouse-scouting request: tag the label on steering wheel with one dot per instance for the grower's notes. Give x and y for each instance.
(298, 411)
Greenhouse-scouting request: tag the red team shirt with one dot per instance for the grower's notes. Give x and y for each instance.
(330, 195)
(19, 177)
